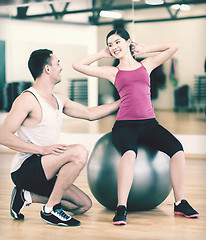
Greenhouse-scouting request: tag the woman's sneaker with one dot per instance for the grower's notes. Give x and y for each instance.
(120, 217)
(185, 209)
(18, 202)
(58, 217)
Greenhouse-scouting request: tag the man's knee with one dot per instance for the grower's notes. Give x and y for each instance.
(82, 154)
(85, 207)
(79, 154)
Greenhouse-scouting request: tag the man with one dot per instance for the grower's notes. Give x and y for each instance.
(43, 170)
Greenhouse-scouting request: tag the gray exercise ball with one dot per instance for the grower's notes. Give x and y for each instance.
(151, 184)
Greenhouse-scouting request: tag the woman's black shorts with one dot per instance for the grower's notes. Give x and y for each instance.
(127, 134)
(30, 176)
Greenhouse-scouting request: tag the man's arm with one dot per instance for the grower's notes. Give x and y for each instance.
(77, 110)
(21, 108)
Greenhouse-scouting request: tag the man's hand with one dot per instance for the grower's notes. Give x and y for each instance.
(55, 149)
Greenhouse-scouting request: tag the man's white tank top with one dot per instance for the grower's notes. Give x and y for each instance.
(45, 133)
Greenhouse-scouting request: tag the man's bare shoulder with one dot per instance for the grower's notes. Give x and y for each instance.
(25, 99)
(26, 96)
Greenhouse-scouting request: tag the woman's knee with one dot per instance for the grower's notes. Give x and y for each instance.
(130, 155)
(178, 154)
(175, 149)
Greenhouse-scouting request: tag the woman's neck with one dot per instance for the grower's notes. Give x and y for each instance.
(128, 62)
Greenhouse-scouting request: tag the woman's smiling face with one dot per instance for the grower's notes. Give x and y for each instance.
(118, 46)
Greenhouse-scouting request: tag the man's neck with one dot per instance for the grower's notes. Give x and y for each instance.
(45, 88)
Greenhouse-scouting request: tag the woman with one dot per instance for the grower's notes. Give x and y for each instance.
(135, 120)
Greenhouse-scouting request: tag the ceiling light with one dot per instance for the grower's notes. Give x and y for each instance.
(154, 2)
(175, 6)
(183, 7)
(110, 14)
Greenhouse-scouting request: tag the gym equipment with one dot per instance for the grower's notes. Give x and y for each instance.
(151, 184)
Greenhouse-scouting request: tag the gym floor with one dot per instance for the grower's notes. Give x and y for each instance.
(156, 224)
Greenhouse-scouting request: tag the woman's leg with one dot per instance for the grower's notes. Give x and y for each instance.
(125, 140)
(177, 174)
(125, 179)
(125, 176)
(161, 139)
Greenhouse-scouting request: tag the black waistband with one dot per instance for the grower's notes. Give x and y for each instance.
(135, 122)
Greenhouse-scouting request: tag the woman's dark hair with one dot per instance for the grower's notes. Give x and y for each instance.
(37, 61)
(119, 31)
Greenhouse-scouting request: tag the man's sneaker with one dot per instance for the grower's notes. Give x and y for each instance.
(185, 209)
(120, 217)
(18, 202)
(58, 217)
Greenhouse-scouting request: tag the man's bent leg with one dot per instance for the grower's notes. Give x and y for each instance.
(74, 200)
(68, 166)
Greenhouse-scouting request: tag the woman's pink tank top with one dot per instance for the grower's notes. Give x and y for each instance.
(134, 90)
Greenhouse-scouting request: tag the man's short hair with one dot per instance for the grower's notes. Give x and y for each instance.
(37, 61)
